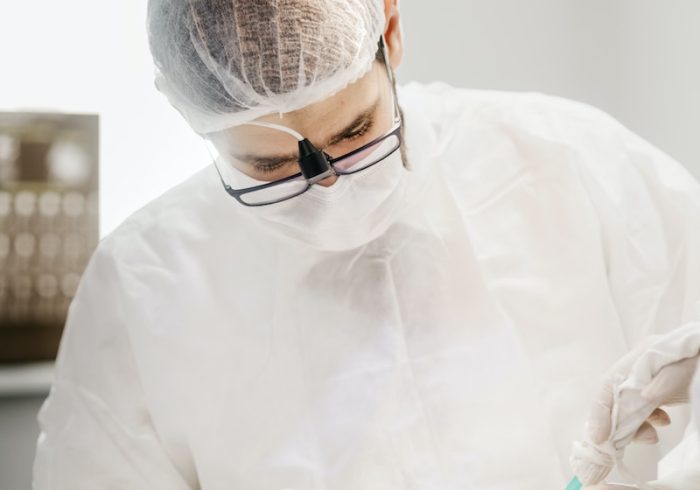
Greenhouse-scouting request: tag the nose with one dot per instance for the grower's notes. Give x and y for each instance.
(328, 181)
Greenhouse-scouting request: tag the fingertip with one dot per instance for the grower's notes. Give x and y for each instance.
(659, 418)
(646, 434)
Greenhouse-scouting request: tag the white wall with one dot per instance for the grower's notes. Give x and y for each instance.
(637, 59)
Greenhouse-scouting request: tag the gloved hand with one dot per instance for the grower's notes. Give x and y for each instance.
(671, 385)
(658, 372)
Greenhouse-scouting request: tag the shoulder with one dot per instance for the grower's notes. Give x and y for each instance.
(140, 270)
(486, 138)
(187, 215)
(455, 110)
(494, 134)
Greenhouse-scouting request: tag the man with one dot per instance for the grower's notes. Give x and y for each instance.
(370, 287)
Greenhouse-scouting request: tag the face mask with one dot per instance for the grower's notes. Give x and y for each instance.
(353, 211)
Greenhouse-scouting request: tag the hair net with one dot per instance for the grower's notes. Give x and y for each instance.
(221, 63)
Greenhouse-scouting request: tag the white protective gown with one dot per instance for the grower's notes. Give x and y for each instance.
(460, 350)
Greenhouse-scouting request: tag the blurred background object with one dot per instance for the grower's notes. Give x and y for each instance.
(638, 60)
(48, 230)
(48, 226)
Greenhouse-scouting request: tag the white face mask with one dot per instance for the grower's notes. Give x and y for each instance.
(353, 211)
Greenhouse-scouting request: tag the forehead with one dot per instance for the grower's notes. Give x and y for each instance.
(315, 121)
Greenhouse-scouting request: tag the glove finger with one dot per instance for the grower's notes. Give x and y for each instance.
(599, 421)
(659, 418)
(671, 384)
(665, 389)
(646, 434)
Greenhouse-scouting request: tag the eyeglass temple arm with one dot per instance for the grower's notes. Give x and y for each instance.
(390, 74)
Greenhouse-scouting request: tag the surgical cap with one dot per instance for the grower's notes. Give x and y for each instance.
(225, 62)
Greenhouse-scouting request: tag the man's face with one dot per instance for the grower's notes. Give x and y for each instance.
(337, 125)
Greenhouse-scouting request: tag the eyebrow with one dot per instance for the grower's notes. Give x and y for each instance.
(365, 118)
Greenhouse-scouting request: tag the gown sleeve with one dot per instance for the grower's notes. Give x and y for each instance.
(95, 427)
(648, 206)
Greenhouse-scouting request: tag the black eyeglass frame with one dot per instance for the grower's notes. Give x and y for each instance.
(395, 132)
(237, 193)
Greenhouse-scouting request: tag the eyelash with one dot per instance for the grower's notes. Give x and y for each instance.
(360, 131)
(268, 169)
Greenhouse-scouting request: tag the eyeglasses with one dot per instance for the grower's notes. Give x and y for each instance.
(316, 165)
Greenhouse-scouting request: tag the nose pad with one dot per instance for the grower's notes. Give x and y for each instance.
(328, 181)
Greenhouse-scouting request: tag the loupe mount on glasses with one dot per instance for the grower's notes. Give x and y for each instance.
(313, 162)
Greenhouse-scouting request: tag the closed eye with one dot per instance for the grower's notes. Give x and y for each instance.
(350, 135)
(270, 168)
(362, 124)
(361, 131)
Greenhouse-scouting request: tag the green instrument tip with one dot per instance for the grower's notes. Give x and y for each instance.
(574, 485)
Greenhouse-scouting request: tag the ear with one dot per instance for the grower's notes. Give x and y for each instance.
(392, 32)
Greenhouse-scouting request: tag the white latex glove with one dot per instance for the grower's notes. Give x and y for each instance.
(670, 386)
(658, 372)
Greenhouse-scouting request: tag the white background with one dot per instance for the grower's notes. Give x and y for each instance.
(637, 59)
